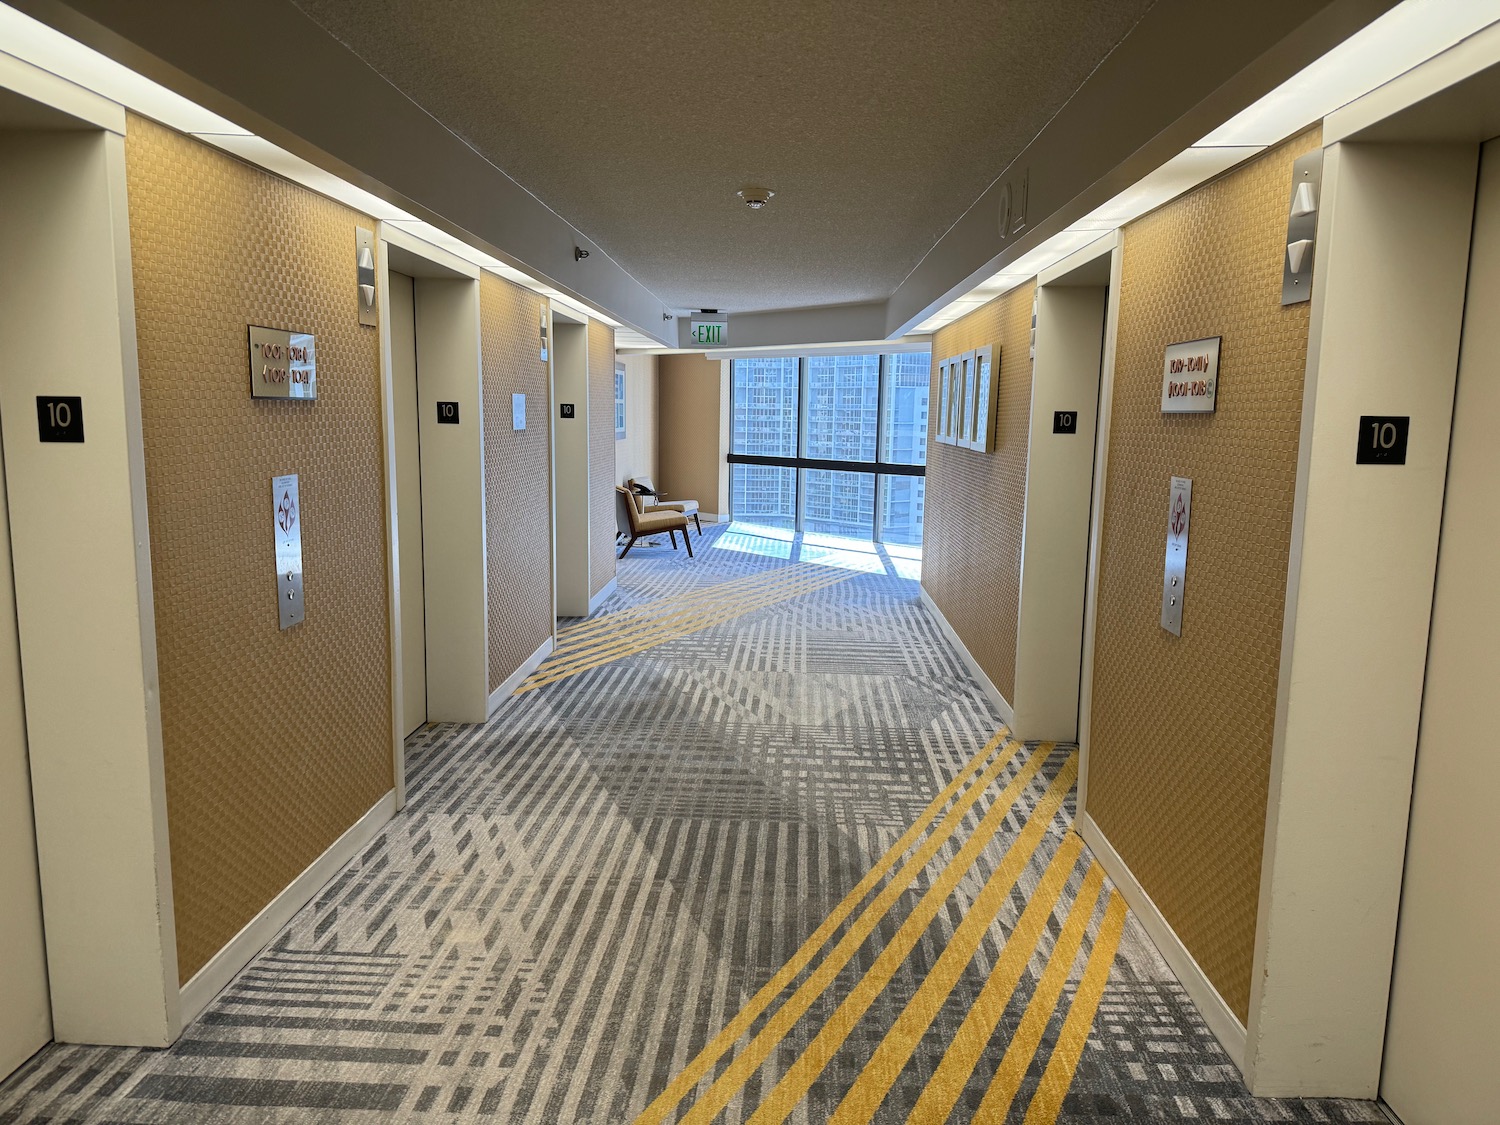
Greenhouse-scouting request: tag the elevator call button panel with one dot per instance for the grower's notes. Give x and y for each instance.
(1174, 581)
(286, 514)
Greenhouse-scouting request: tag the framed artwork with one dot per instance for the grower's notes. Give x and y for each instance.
(969, 384)
(619, 402)
(986, 397)
(945, 401)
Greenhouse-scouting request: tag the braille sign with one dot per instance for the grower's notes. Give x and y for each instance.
(566, 409)
(447, 413)
(1065, 421)
(1382, 439)
(59, 418)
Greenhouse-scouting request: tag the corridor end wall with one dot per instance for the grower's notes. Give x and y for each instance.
(1180, 728)
(275, 742)
(518, 477)
(692, 413)
(971, 546)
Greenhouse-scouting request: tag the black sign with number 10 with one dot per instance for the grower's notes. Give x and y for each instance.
(1382, 439)
(59, 418)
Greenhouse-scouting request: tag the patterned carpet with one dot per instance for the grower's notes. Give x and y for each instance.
(773, 857)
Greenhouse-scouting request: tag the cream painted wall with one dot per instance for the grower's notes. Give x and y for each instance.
(452, 467)
(570, 445)
(84, 590)
(1059, 484)
(635, 455)
(692, 425)
(25, 1011)
(1387, 308)
(1440, 1046)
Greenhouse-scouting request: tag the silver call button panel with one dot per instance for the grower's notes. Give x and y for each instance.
(287, 517)
(1179, 515)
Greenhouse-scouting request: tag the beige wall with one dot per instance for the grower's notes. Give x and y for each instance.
(971, 542)
(275, 742)
(691, 422)
(1181, 728)
(635, 455)
(518, 477)
(601, 455)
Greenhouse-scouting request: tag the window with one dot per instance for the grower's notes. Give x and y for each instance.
(831, 444)
(619, 402)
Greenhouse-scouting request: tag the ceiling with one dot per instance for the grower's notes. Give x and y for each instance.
(877, 125)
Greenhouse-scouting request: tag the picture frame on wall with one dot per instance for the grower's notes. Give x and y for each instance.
(970, 385)
(986, 398)
(945, 402)
(619, 402)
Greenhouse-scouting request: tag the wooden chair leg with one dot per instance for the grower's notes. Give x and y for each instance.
(699, 522)
(629, 545)
(673, 535)
(687, 541)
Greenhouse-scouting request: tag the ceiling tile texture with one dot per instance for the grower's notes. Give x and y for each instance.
(877, 124)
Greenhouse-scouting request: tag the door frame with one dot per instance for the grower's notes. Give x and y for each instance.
(456, 539)
(84, 596)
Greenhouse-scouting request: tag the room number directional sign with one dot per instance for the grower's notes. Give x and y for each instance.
(282, 364)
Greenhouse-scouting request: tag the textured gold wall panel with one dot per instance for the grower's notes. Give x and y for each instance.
(275, 742)
(971, 545)
(601, 455)
(688, 406)
(518, 476)
(1180, 743)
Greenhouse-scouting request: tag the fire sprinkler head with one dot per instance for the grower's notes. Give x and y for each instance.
(755, 196)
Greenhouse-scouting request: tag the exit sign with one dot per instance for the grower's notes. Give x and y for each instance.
(709, 332)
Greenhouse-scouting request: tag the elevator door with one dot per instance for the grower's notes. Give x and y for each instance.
(408, 501)
(1440, 1060)
(25, 1013)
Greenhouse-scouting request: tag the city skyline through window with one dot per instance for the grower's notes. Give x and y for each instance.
(801, 431)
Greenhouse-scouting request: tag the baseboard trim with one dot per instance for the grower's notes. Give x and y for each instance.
(528, 666)
(598, 599)
(712, 517)
(227, 964)
(1216, 1013)
(1007, 712)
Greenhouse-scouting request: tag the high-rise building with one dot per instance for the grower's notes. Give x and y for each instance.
(845, 418)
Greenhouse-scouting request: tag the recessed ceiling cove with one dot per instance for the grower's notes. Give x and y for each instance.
(877, 124)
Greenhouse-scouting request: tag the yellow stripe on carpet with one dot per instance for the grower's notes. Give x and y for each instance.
(760, 1048)
(863, 925)
(798, 1080)
(615, 636)
(901, 1041)
(1023, 1043)
(1047, 1102)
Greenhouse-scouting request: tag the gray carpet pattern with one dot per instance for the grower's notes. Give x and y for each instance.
(583, 891)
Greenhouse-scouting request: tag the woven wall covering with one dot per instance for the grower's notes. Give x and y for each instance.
(275, 742)
(975, 501)
(1180, 745)
(518, 476)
